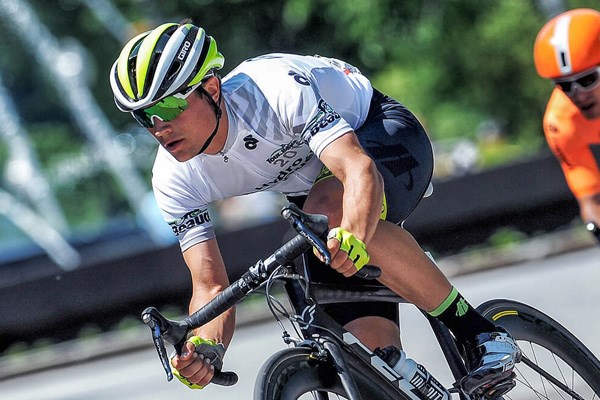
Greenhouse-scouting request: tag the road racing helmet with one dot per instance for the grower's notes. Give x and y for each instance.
(568, 44)
(159, 63)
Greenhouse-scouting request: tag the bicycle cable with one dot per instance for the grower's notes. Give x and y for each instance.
(275, 306)
(282, 273)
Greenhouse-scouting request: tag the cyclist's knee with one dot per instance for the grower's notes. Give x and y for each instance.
(374, 331)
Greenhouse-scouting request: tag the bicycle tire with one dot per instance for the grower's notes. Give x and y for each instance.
(293, 374)
(545, 343)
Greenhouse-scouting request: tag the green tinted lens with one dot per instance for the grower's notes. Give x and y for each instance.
(141, 117)
(167, 109)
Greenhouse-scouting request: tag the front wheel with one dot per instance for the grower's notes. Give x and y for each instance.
(555, 365)
(294, 373)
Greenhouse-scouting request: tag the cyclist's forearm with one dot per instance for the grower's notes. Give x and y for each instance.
(362, 182)
(209, 278)
(221, 328)
(362, 202)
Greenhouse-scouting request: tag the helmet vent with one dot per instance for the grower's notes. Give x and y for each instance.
(132, 75)
(173, 71)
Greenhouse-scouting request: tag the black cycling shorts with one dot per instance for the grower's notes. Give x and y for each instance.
(402, 151)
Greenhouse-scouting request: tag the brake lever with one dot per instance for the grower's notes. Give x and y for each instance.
(300, 227)
(294, 215)
(154, 325)
(174, 332)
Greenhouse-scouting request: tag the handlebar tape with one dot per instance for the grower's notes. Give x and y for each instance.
(369, 272)
(292, 249)
(221, 303)
(224, 378)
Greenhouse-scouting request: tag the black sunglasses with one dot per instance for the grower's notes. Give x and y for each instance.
(586, 81)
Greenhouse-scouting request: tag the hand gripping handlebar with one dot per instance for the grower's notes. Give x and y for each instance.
(175, 332)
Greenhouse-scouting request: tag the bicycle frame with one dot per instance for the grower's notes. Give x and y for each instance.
(317, 326)
(325, 294)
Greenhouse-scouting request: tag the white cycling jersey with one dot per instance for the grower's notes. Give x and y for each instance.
(283, 111)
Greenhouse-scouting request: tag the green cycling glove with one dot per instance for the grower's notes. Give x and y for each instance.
(354, 247)
(209, 349)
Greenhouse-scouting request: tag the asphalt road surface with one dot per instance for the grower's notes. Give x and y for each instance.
(565, 287)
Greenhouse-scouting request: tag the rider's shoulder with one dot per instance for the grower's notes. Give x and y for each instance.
(563, 118)
(560, 105)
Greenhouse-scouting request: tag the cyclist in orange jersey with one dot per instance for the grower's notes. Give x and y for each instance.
(567, 51)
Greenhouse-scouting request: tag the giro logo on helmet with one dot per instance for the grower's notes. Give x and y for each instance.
(184, 50)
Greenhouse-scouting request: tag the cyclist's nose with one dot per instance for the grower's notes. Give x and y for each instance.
(579, 95)
(160, 128)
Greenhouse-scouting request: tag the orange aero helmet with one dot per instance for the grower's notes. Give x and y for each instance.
(568, 44)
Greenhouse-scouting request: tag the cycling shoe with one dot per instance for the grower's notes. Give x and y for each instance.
(491, 358)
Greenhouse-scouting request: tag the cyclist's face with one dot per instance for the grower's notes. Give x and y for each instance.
(588, 102)
(184, 136)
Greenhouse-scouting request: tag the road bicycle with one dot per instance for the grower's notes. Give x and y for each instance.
(325, 361)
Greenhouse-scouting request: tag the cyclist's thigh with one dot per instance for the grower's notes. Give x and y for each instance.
(401, 149)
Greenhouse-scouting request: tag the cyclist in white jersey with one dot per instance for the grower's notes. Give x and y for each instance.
(314, 129)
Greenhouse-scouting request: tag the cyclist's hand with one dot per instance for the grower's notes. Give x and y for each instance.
(353, 255)
(195, 367)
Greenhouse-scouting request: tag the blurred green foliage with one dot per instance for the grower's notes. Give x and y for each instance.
(460, 65)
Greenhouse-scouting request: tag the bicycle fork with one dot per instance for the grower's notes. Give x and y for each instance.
(342, 369)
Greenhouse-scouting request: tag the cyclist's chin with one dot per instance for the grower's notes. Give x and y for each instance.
(591, 112)
(181, 154)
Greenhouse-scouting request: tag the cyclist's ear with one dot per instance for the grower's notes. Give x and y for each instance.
(212, 85)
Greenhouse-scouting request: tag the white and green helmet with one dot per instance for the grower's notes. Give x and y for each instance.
(161, 62)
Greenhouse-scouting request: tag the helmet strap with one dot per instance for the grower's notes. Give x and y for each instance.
(218, 112)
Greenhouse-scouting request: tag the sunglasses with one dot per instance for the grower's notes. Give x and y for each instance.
(585, 81)
(166, 109)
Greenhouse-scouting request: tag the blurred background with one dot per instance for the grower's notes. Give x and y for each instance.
(75, 189)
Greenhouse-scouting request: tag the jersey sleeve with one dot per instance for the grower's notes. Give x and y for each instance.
(567, 140)
(182, 206)
(311, 116)
(324, 125)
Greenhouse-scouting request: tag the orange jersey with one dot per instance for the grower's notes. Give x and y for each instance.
(575, 141)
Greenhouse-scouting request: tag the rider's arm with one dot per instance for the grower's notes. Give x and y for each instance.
(571, 140)
(209, 278)
(362, 184)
